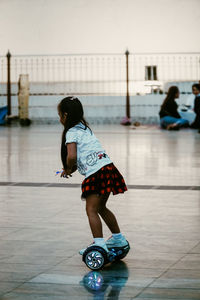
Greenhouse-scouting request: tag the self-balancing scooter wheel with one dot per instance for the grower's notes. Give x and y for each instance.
(95, 257)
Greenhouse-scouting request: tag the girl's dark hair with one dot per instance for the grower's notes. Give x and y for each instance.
(74, 109)
(173, 90)
(197, 86)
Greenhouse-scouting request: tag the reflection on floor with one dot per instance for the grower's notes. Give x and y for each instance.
(107, 282)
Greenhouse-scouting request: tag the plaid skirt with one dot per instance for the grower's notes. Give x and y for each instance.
(106, 180)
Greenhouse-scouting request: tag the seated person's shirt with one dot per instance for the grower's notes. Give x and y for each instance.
(196, 123)
(197, 104)
(170, 109)
(91, 157)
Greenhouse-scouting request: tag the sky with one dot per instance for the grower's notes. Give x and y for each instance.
(99, 26)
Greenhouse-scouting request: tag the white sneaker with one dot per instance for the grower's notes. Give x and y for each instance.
(113, 242)
(104, 246)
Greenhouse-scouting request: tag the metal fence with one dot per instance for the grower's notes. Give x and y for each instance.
(100, 74)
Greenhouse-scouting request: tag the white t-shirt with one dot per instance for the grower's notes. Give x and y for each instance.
(91, 157)
(190, 101)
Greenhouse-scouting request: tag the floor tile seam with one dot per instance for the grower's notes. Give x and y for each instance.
(15, 263)
(21, 284)
(67, 241)
(65, 259)
(8, 227)
(10, 281)
(171, 266)
(176, 288)
(189, 252)
(43, 217)
(37, 223)
(57, 213)
(11, 184)
(28, 264)
(41, 241)
(44, 185)
(188, 269)
(160, 298)
(143, 289)
(153, 297)
(13, 232)
(12, 290)
(55, 223)
(154, 279)
(47, 270)
(21, 263)
(165, 288)
(27, 228)
(174, 263)
(2, 237)
(38, 256)
(130, 186)
(157, 278)
(166, 253)
(1, 259)
(74, 284)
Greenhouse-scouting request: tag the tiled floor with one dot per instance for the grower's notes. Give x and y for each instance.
(43, 223)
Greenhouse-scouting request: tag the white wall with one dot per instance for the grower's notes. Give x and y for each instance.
(85, 26)
(98, 109)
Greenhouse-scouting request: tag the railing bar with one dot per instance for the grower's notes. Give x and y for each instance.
(105, 54)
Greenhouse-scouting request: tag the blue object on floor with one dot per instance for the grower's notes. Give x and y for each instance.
(3, 113)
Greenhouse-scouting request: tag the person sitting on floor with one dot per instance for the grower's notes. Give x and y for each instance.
(196, 92)
(169, 116)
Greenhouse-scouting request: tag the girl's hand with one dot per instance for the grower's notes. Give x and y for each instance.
(66, 174)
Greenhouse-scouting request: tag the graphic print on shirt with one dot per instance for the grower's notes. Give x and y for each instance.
(93, 158)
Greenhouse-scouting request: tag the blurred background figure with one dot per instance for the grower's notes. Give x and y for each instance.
(196, 92)
(169, 116)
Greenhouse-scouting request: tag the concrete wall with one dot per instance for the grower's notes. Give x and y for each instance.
(98, 109)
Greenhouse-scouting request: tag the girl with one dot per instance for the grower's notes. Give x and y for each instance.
(169, 116)
(81, 150)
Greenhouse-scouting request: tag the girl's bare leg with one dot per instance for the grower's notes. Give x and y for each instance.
(107, 215)
(92, 209)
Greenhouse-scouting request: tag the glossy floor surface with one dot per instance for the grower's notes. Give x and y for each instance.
(43, 223)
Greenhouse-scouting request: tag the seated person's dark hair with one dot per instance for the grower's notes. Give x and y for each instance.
(197, 86)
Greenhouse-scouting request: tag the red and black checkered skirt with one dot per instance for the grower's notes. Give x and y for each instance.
(106, 180)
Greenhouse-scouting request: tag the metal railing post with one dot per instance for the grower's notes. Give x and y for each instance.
(127, 86)
(8, 84)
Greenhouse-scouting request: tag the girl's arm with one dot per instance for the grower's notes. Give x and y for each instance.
(71, 158)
